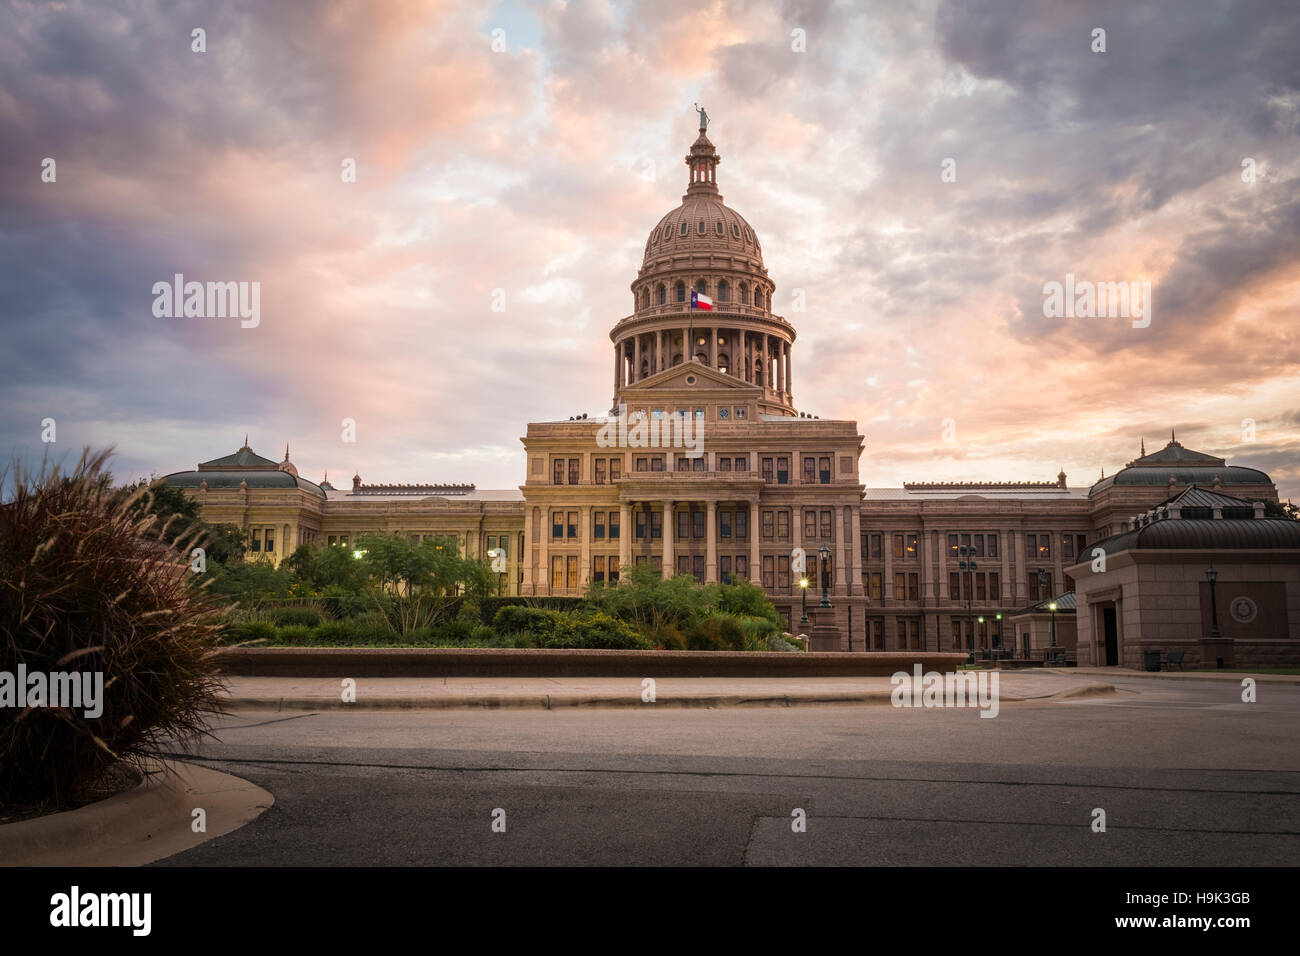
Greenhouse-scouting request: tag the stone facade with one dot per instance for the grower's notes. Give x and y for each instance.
(705, 466)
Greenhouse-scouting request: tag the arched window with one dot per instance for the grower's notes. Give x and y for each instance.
(668, 232)
(758, 372)
(724, 363)
(735, 231)
(701, 287)
(681, 291)
(723, 291)
(758, 297)
(718, 227)
(663, 294)
(645, 298)
(702, 227)
(742, 295)
(683, 229)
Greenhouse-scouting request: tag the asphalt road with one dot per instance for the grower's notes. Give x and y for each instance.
(1185, 772)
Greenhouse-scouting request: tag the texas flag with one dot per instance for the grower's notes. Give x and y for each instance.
(701, 301)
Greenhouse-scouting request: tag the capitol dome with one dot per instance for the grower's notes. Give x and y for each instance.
(703, 269)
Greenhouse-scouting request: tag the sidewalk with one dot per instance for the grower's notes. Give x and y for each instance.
(549, 693)
(1179, 675)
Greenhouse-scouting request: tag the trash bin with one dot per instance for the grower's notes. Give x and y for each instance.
(1152, 660)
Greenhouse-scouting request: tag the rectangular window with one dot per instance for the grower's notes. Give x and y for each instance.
(724, 464)
(783, 525)
(571, 566)
(767, 470)
(598, 569)
(979, 545)
(1067, 545)
(742, 524)
(769, 572)
(573, 524)
(809, 524)
(598, 526)
(559, 471)
(877, 586)
(809, 470)
(255, 541)
(724, 524)
(657, 463)
(783, 571)
(601, 463)
(640, 525)
(742, 463)
(615, 469)
(954, 585)
(782, 470)
(769, 526)
(898, 547)
(643, 464)
(698, 562)
(900, 586)
(824, 470)
(683, 463)
(877, 628)
(826, 524)
(697, 521)
(914, 586)
(724, 568)
(742, 566)
(697, 463)
(683, 564)
(613, 568)
(877, 542)
(992, 541)
(557, 524)
(557, 572)
(952, 543)
(981, 593)
(913, 549)
(614, 519)
(683, 524)
(656, 524)
(575, 471)
(995, 587)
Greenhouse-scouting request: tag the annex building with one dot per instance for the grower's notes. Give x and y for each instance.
(705, 466)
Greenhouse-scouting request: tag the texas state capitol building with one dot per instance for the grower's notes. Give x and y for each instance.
(764, 478)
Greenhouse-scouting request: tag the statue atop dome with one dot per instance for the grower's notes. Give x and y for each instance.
(704, 117)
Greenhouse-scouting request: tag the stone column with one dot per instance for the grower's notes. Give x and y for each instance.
(1004, 554)
(755, 556)
(780, 366)
(710, 540)
(837, 517)
(669, 568)
(855, 552)
(618, 366)
(527, 556)
(544, 548)
(713, 347)
(788, 390)
(636, 358)
(624, 536)
(743, 356)
(584, 540)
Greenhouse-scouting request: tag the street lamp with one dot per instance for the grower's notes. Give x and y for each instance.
(967, 564)
(1212, 575)
(803, 596)
(1052, 607)
(825, 553)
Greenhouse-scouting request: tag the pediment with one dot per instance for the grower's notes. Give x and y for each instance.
(689, 377)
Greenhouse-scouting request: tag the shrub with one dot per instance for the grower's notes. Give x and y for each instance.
(86, 585)
(294, 634)
(246, 632)
(717, 632)
(331, 633)
(305, 616)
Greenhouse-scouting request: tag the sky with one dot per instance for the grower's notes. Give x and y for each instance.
(916, 173)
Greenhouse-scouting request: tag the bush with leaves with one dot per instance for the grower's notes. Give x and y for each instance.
(90, 581)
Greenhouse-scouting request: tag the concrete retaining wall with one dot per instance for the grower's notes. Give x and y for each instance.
(492, 662)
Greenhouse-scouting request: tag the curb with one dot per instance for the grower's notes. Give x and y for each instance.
(1187, 675)
(139, 826)
(622, 701)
